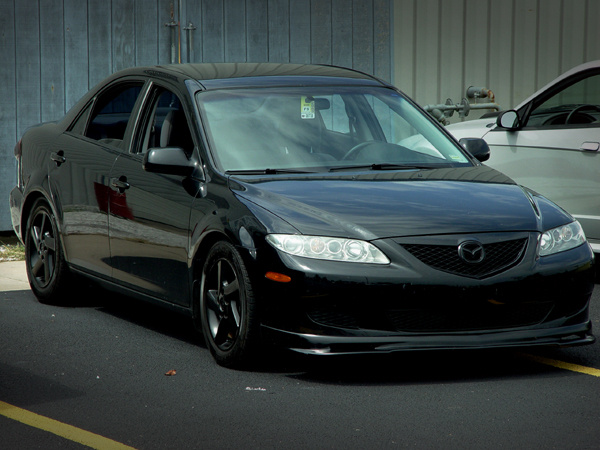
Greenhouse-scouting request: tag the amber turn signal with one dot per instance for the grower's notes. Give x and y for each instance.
(279, 277)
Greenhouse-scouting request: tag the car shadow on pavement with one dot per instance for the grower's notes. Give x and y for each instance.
(20, 386)
(422, 367)
(138, 312)
(426, 367)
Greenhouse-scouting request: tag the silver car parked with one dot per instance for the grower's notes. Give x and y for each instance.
(551, 144)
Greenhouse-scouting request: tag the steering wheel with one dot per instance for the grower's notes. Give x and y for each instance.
(354, 151)
(577, 110)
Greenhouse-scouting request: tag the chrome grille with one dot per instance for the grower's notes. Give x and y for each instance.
(499, 256)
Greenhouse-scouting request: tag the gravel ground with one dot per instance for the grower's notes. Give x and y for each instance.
(10, 247)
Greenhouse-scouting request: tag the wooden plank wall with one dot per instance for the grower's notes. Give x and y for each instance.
(513, 47)
(8, 100)
(353, 33)
(53, 51)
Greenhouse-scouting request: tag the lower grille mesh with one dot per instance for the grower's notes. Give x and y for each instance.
(473, 316)
(481, 318)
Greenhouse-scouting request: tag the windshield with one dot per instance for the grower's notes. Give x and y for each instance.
(321, 129)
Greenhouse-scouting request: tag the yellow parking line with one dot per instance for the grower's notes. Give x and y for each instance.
(563, 365)
(60, 429)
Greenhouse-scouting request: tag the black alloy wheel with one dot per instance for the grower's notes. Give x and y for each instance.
(227, 307)
(46, 267)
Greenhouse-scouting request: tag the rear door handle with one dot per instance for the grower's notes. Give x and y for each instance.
(120, 184)
(590, 146)
(58, 157)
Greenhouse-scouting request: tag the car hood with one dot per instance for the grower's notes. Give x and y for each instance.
(473, 128)
(378, 205)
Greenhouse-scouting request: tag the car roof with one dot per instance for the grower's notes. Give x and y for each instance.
(219, 75)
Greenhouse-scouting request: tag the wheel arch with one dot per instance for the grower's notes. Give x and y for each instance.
(199, 257)
(30, 200)
(200, 252)
(27, 209)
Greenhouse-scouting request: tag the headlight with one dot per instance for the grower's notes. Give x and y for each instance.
(328, 248)
(562, 238)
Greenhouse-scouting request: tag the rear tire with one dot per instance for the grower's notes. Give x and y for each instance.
(227, 308)
(45, 263)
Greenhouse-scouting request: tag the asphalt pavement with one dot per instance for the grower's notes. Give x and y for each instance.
(113, 372)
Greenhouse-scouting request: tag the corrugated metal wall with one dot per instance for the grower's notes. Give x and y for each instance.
(53, 51)
(512, 47)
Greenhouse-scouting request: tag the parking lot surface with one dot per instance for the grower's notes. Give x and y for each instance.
(96, 374)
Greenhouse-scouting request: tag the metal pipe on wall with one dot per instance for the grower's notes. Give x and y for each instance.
(172, 24)
(190, 41)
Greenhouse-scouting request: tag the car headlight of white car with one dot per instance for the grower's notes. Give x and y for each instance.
(561, 239)
(328, 248)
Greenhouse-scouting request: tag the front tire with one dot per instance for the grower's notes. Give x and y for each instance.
(227, 307)
(45, 263)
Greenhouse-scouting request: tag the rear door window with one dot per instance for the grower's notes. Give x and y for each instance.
(111, 114)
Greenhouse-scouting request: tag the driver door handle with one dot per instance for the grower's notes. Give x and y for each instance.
(590, 147)
(119, 184)
(58, 157)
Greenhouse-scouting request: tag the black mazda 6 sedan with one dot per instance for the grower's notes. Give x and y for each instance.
(312, 207)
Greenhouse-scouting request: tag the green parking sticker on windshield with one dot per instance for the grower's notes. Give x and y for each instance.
(307, 107)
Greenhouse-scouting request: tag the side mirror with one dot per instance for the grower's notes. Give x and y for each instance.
(508, 120)
(476, 147)
(169, 160)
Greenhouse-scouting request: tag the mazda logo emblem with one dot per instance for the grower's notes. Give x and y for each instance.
(471, 252)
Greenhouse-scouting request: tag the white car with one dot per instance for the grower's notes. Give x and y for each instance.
(551, 144)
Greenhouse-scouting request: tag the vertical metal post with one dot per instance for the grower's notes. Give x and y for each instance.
(172, 24)
(179, 12)
(190, 41)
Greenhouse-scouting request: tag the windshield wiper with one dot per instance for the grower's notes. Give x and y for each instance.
(264, 171)
(386, 166)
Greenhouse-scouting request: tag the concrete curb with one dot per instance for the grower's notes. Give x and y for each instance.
(13, 276)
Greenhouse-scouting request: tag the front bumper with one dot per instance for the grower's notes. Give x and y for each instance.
(346, 309)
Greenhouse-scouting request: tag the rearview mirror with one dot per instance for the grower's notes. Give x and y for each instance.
(476, 147)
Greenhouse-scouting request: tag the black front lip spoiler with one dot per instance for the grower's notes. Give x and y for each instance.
(312, 344)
